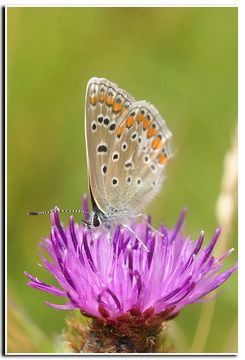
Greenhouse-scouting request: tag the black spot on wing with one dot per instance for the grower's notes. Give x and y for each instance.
(102, 149)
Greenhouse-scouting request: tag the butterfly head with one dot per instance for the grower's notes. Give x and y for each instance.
(98, 218)
(94, 220)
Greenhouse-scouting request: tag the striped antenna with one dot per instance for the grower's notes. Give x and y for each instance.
(52, 211)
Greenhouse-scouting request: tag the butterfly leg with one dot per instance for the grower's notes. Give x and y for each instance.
(154, 230)
(146, 218)
(137, 237)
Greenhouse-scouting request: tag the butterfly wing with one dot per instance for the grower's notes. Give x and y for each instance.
(139, 153)
(105, 105)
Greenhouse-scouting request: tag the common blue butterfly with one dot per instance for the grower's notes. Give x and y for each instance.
(128, 145)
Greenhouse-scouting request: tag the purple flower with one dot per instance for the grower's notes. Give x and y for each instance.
(107, 275)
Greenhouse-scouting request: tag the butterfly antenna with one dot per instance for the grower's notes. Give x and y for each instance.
(59, 210)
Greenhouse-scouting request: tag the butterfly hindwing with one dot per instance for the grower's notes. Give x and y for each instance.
(105, 104)
(142, 149)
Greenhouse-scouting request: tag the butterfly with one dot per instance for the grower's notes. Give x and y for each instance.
(128, 145)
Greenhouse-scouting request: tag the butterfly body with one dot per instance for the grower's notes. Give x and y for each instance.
(128, 146)
(111, 215)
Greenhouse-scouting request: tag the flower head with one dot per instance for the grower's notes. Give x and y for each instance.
(112, 277)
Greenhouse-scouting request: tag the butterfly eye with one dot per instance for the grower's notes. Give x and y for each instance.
(96, 221)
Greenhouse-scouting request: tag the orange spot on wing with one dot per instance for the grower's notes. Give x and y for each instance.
(162, 158)
(101, 98)
(117, 107)
(120, 130)
(146, 124)
(140, 118)
(109, 100)
(157, 143)
(129, 121)
(152, 131)
(124, 109)
(93, 100)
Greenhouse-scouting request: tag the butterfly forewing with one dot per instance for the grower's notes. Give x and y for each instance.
(105, 104)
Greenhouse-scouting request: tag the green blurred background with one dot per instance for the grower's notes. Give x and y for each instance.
(184, 61)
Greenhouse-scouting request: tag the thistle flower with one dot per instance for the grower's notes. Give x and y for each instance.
(128, 291)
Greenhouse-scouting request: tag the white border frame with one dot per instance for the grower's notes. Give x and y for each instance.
(241, 124)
